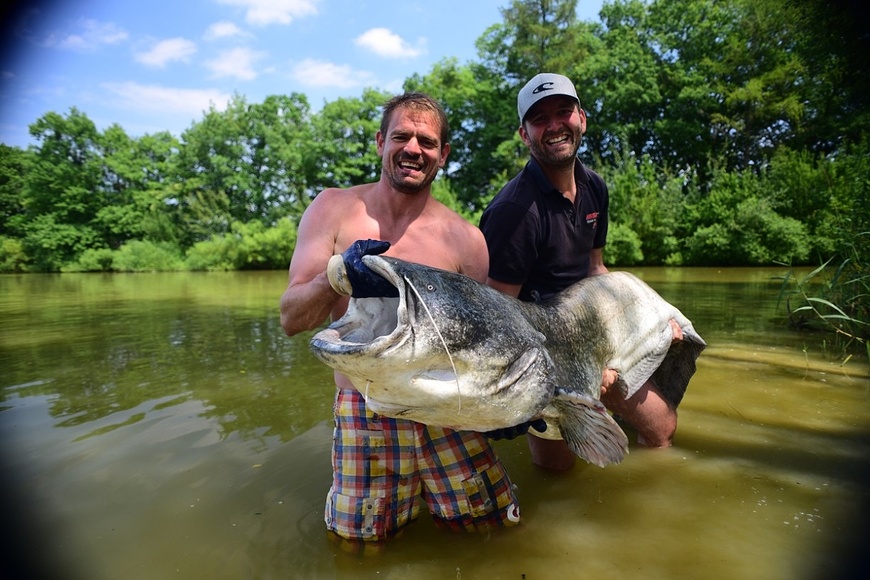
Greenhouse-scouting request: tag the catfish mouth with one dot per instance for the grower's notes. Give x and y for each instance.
(370, 325)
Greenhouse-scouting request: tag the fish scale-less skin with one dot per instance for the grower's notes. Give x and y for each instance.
(575, 338)
(613, 321)
(453, 352)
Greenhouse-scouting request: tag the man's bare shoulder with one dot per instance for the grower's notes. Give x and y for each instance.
(345, 194)
(335, 202)
(456, 224)
(464, 241)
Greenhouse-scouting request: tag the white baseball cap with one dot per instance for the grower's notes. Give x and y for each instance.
(542, 86)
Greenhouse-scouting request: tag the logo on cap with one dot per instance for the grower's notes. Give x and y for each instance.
(543, 87)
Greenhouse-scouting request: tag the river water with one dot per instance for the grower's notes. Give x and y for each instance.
(159, 426)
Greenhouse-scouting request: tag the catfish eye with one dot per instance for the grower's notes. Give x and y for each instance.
(430, 287)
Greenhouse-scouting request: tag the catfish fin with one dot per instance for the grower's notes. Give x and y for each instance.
(522, 365)
(673, 375)
(591, 433)
(633, 377)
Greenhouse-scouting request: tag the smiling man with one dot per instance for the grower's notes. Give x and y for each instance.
(546, 229)
(381, 466)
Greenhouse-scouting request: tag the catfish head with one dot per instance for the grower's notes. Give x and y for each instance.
(449, 351)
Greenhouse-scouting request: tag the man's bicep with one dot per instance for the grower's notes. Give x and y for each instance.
(596, 262)
(315, 244)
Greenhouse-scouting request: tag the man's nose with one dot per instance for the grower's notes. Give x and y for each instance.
(413, 146)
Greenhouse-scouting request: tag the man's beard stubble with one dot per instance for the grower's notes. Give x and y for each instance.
(403, 186)
(548, 159)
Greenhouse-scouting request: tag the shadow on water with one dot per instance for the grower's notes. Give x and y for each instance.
(156, 426)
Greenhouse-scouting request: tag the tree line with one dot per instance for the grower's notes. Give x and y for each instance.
(730, 132)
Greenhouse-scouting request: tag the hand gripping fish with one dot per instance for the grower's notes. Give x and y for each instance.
(452, 352)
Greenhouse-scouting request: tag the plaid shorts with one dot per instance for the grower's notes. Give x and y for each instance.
(381, 467)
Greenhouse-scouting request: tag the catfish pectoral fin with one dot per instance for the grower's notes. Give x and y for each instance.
(591, 433)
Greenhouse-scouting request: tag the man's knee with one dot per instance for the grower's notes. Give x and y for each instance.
(654, 419)
(659, 432)
(552, 454)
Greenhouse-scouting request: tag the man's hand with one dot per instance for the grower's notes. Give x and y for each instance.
(348, 274)
(517, 430)
(675, 328)
(608, 379)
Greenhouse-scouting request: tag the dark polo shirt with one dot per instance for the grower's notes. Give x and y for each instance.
(538, 238)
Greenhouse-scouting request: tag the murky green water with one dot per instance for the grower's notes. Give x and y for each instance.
(162, 426)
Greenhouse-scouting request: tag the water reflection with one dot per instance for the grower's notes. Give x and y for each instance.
(162, 425)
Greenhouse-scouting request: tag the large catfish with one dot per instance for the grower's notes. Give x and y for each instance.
(453, 352)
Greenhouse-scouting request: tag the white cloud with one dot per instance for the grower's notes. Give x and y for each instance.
(319, 73)
(263, 12)
(92, 35)
(166, 51)
(237, 62)
(138, 97)
(223, 29)
(388, 44)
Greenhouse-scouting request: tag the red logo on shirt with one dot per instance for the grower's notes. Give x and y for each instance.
(591, 218)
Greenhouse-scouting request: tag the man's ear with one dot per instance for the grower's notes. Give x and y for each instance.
(523, 135)
(445, 152)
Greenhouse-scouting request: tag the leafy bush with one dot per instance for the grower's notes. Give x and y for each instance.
(93, 260)
(248, 246)
(216, 253)
(736, 225)
(645, 199)
(267, 248)
(800, 185)
(443, 192)
(50, 243)
(13, 258)
(623, 246)
(142, 256)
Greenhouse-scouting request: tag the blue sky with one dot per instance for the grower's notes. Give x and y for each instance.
(157, 65)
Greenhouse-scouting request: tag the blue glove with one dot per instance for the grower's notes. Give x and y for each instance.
(517, 430)
(365, 283)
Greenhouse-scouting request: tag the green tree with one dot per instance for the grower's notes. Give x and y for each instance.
(136, 186)
(14, 164)
(62, 190)
(344, 152)
(534, 36)
(279, 138)
(242, 164)
(832, 43)
(617, 79)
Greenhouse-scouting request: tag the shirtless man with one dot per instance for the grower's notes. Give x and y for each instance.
(382, 466)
